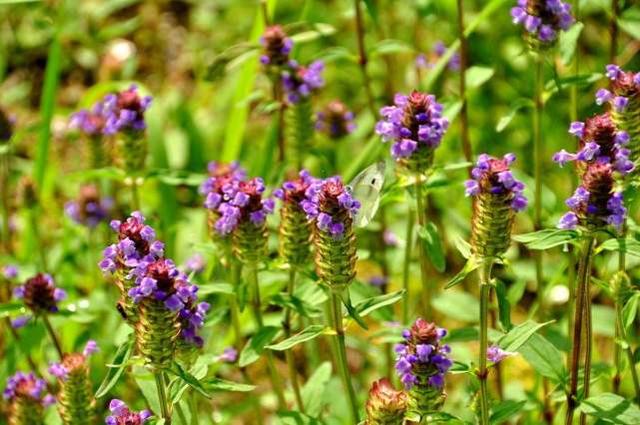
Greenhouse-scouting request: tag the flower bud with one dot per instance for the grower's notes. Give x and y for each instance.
(276, 47)
(121, 415)
(416, 126)
(75, 400)
(295, 228)
(331, 208)
(335, 120)
(497, 197)
(40, 294)
(89, 209)
(385, 405)
(136, 247)
(542, 21)
(27, 398)
(421, 363)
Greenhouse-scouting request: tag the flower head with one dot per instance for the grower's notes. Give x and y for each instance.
(92, 122)
(125, 111)
(493, 176)
(276, 46)
(121, 415)
(40, 294)
(421, 359)
(74, 363)
(335, 120)
(543, 19)
(416, 126)
(243, 202)
(89, 209)
(331, 206)
(27, 386)
(300, 82)
(385, 404)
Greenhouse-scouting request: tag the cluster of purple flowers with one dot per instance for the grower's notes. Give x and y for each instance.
(595, 202)
(62, 370)
(27, 385)
(295, 191)
(300, 82)
(116, 112)
(439, 49)
(335, 120)
(137, 245)
(89, 209)
(330, 204)
(421, 359)
(600, 141)
(493, 176)
(237, 201)
(624, 86)
(121, 415)
(277, 46)
(40, 295)
(412, 122)
(543, 18)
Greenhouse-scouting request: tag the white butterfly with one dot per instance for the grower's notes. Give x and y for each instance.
(366, 188)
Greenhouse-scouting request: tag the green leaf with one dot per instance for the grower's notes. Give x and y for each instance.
(291, 417)
(216, 288)
(351, 310)
(369, 305)
(147, 384)
(314, 388)
(477, 76)
(469, 267)
(116, 367)
(519, 104)
(319, 30)
(433, 246)
(611, 408)
(7, 308)
(505, 410)
(388, 47)
(545, 358)
(463, 247)
(547, 238)
(630, 310)
(457, 305)
(629, 245)
(519, 335)
(307, 334)
(442, 418)
(299, 305)
(372, 9)
(256, 344)
(212, 385)
(504, 307)
(188, 379)
(568, 42)
(47, 108)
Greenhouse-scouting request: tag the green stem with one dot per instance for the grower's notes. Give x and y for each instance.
(362, 59)
(484, 275)
(406, 269)
(26, 354)
(181, 415)
(582, 289)
(33, 220)
(617, 377)
(426, 287)
(135, 198)
(464, 116)
(538, 158)
(341, 351)
(628, 351)
(54, 337)
(573, 93)
(193, 407)
(236, 271)
(293, 374)
(4, 193)
(161, 386)
(257, 312)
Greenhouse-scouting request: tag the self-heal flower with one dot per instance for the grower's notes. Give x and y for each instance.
(415, 126)
(121, 415)
(385, 405)
(229, 355)
(421, 364)
(495, 354)
(497, 197)
(542, 20)
(9, 272)
(40, 294)
(335, 120)
(27, 397)
(90, 209)
(276, 47)
(301, 82)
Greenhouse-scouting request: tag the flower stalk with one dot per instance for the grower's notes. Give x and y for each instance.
(484, 277)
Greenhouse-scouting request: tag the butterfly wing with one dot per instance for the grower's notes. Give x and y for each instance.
(366, 188)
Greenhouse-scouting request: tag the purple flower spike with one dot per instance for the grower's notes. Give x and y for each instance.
(300, 82)
(121, 415)
(26, 386)
(543, 19)
(495, 354)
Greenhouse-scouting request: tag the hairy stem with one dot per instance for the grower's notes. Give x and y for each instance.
(582, 287)
(426, 287)
(293, 374)
(341, 351)
(406, 268)
(161, 387)
(484, 276)
(257, 312)
(464, 116)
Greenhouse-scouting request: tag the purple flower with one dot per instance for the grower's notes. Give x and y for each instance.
(378, 280)
(40, 295)
(89, 209)
(26, 386)
(577, 128)
(543, 18)
(620, 103)
(300, 82)
(124, 111)
(603, 96)
(277, 47)
(495, 354)
(328, 203)
(121, 415)
(90, 348)
(229, 355)
(390, 238)
(10, 272)
(562, 157)
(493, 176)
(335, 120)
(195, 263)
